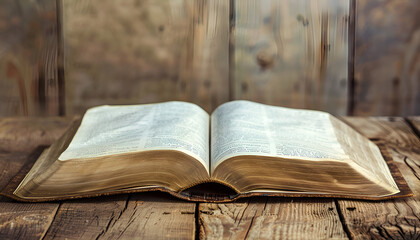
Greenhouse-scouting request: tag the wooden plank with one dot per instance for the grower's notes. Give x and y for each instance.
(25, 134)
(86, 218)
(292, 53)
(415, 121)
(10, 164)
(149, 51)
(21, 220)
(204, 63)
(271, 218)
(138, 216)
(28, 58)
(18, 138)
(148, 215)
(387, 62)
(396, 219)
(26, 220)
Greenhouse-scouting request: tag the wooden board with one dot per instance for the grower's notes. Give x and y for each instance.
(271, 218)
(156, 215)
(148, 215)
(18, 141)
(29, 83)
(26, 134)
(142, 51)
(387, 57)
(415, 124)
(144, 216)
(394, 219)
(292, 53)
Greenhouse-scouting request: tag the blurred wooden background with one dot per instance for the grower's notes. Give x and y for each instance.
(358, 57)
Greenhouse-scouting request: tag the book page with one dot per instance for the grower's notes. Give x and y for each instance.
(360, 148)
(248, 128)
(110, 130)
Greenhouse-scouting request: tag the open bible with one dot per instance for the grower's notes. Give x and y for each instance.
(250, 148)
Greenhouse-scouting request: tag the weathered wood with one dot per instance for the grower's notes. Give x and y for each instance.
(18, 138)
(149, 51)
(292, 53)
(25, 134)
(28, 58)
(415, 121)
(86, 219)
(10, 163)
(387, 62)
(147, 216)
(142, 216)
(204, 63)
(396, 219)
(25, 220)
(271, 218)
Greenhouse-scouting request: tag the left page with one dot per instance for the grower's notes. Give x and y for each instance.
(110, 130)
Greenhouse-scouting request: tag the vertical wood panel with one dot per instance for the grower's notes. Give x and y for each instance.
(139, 51)
(292, 53)
(387, 58)
(28, 58)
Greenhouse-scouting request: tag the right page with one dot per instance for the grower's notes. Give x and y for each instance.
(249, 128)
(243, 128)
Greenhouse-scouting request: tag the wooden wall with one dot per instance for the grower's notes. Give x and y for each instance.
(60, 57)
(29, 82)
(387, 57)
(137, 51)
(292, 53)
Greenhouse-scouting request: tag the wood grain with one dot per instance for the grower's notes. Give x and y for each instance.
(148, 216)
(292, 53)
(394, 219)
(272, 218)
(25, 221)
(25, 134)
(18, 139)
(86, 219)
(149, 51)
(415, 121)
(156, 215)
(142, 216)
(387, 57)
(29, 84)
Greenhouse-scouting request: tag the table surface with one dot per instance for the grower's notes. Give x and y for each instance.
(158, 215)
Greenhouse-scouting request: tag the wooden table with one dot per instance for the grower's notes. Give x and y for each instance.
(157, 215)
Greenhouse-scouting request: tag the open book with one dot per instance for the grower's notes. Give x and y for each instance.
(250, 148)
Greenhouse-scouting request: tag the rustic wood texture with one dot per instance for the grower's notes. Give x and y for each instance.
(415, 121)
(25, 221)
(18, 139)
(271, 218)
(399, 218)
(29, 83)
(387, 57)
(292, 53)
(145, 51)
(106, 218)
(25, 134)
(157, 215)
(360, 219)
(144, 216)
